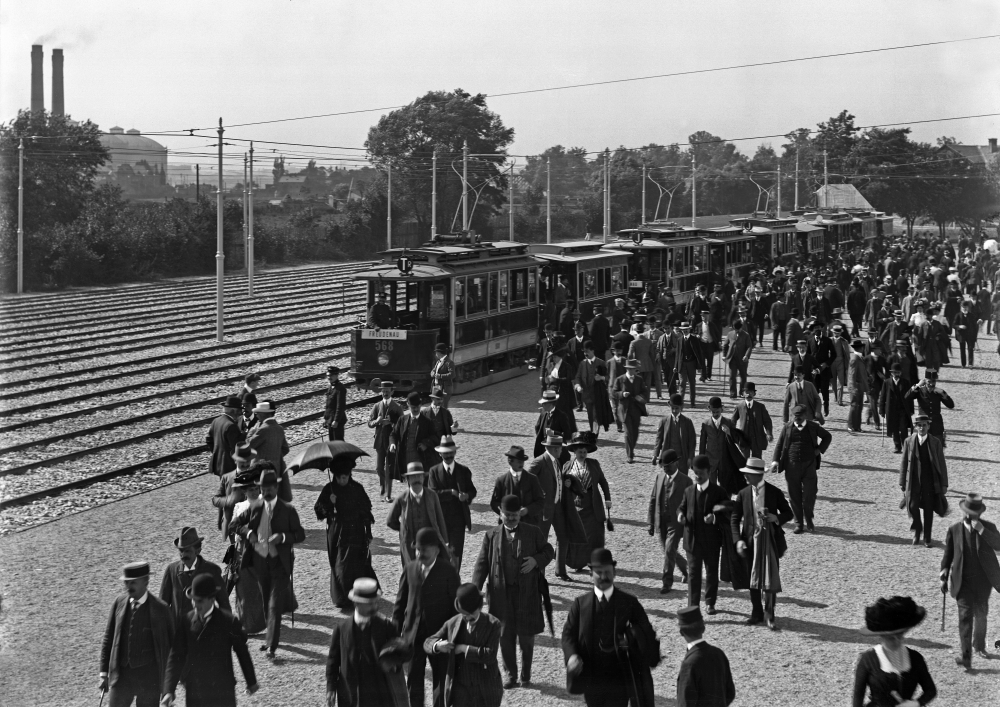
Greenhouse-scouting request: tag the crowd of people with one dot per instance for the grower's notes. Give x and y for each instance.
(862, 329)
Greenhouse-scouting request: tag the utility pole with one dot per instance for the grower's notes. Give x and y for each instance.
(643, 219)
(510, 186)
(694, 191)
(197, 182)
(778, 209)
(604, 226)
(434, 194)
(20, 216)
(548, 199)
(796, 207)
(388, 207)
(246, 231)
(220, 256)
(250, 230)
(465, 186)
(826, 182)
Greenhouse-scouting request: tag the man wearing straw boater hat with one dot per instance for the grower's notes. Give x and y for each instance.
(223, 436)
(179, 575)
(551, 420)
(137, 640)
(970, 560)
(521, 484)
(414, 509)
(758, 513)
(705, 677)
(202, 651)
(470, 640)
(382, 419)
(630, 394)
(356, 672)
(452, 482)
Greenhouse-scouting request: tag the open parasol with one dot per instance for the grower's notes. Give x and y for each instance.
(319, 455)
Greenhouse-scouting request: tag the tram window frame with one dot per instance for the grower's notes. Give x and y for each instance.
(459, 296)
(590, 288)
(602, 281)
(504, 288)
(519, 288)
(698, 256)
(532, 286)
(616, 278)
(498, 326)
(492, 291)
(478, 284)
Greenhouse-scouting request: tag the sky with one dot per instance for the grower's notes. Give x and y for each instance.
(169, 66)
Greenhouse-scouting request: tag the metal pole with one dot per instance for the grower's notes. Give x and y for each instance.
(20, 216)
(250, 230)
(434, 193)
(246, 232)
(511, 201)
(796, 179)
(220, 256)
(826, 183)
(197, 182)
(642, 220)
(388, 207)
(609, 190)
(604, 226)
(465, 186)
(778, 210)
(694, 192)
(548, 199)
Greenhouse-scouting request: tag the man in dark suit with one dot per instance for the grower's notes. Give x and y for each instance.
(703, 527)
(223, 436)
(630, 394)
(894, 408)
(598, 625)
(249, 399)
(523, 485)
(179, 575)
(736, 351)
(136, 642)
(425, 600)
(664, 525)
(384, 415)
(271, 527)
(202, 651)
(224, 498)
(691, 360)
(443, 373)
(442, 423)
(269, 441)
(511, 563)
(708, 333)
(966, 325)
(560, 490)
(676, 431)
(589, 373)
(551, 420)
(452, 482)
(793, 330)
(623, 337)
(824, 354)
(802, 357)
(797, 453)
(412, 438)
(970, 559)
(758, 513)
(923, 478)
(718, 440)
(335, 411)
(753, 422)
(600, 332)
(355, 675)
(705, 679)
(416, 508)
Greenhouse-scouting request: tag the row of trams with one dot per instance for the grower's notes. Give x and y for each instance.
(489, 300)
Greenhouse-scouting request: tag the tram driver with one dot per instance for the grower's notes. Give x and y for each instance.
(380, 316)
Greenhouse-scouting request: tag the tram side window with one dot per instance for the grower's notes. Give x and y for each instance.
(476, 296)
(616, 279)
(494, 291)
(603, 277)
(589, 283)
(459, 297)
(504, 291)
(518, 288)
(698, 263)
(532, 286)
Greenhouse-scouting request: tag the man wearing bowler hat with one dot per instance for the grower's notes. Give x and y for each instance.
(608, 643)
(443, 373)
(676, 431)
(470, 640)
(335, 410)
(268, 440)
(412, 438)
(442, 423)
(668, 492)
(522, 484)
(414, 509)
(271, 527)
(222, 437)
(452, 482)
(248, 397)
(511, 563)
(630, 394)
(382, 419)
(718, 439)
(202, 651)
(797, 452)
(705, 679)
(136, 642)
(179, 575)
(970, 559)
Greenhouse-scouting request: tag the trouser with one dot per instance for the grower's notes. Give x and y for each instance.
(688, 377)
(335, 433)
(759, 609)
(898, 436)
(854, 416)
(873, 396)
(631, 420)
(618, 414)
(823, 388)
(924, 527)
(709, 558)
(141, 684)
(671, 542)
(969, 344)
(657, 381)
(589, 407)
(384, 470)
(415, 674)
(672, 378)
(973, 607)
(802, 484)
(855, 326)
(455, 525)
(776, 332)
(737, 366)
(509, 636)
(760, 334)
(608, 688)
(708, 352)
(578, 398)
(274, 582)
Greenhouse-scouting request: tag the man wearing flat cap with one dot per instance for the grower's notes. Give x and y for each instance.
(524, 485)
(929, 399)
(222, 437)
(705, 679)
(664, 525)
(676, 431)
(424, 602)
(137, 640)
(414, 509)
(970, 560)
(335, 410)
(630, 394)
(202, 651)
(800, 445)
(268, 440)
(179, 575)
(470, 639)
(511, 563)
(380, 315)
(412, 438)
(608, 643)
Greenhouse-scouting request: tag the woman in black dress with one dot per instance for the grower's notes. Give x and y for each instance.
(592, 507)
(890, 672)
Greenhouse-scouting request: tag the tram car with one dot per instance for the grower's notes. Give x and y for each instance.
(592, 274)
(810, 243)
(838, 229)
(479, 298)
(775, 239)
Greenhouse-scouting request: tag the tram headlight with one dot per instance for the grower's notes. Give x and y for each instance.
(383, 359)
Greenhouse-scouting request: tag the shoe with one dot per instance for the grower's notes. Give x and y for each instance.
(916, 539)
(983, 654)
(710, 610)
(754, 621)
(799, 529)
(620, 430)
(525, 683)
(826, 410)
(270, 656)
(772, 623)
(665, 589)
(810, 526)
(263, 646)
(684, 578)
(509, 684)
(962, 662)
(631, 460)
(897, 451)
(928, 543)
(563, 576)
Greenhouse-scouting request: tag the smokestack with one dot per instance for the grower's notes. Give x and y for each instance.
(993, 144)
(58, 102)
(37, 80)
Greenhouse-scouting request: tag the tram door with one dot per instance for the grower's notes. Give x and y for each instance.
(717, 259)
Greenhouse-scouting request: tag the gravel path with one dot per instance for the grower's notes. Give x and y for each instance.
(58, 579)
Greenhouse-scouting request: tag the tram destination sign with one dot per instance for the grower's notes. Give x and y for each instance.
(384, 334)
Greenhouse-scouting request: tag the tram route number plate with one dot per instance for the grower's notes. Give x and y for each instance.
(384, 334)
(635, 283)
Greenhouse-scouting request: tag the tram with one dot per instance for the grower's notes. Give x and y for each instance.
(592, 274)
(775, 238)
(811, 242)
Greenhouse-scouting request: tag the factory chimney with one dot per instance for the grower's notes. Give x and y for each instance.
(37, 80)
(58, 101)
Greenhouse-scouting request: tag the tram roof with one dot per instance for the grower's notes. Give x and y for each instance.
(432, 261)
(570, 251)
(806, 227)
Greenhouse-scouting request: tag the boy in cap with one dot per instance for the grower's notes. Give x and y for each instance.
(335, 411)
(704, 677)
(664, 525)
(179, 575)
(414, 509)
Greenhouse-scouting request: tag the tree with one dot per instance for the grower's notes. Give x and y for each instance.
(406, 139)
(836, 135)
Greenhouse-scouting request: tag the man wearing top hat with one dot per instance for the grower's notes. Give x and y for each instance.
(222, 437)
(970, 560)
(224, 499)
(511, 563)
(359, 670)
(179, 575)
(271, 527)
(630, 394)
(452, 482)
(380, 315)
(202, 651)
(664, 525)
(424, 602)
(758, 513)
(551, 420)
(700, 512)
(414, 509)
(929, 400)
(718, 440)
(136, 642)
(752, 420)
(895, 409)
(923, 479)
(443, 373)
(412, 438)
(705, 679)
(608, 643)
(383, 417)
(268, 440)
(797, 453)
(523, 485)
(248, 397)
(335, 411)
(676, 431)
(599, 330)
(441, 421)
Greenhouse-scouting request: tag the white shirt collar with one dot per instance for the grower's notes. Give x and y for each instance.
(702, 487)
(418, 498)
(606, 593)
(717, 423)
(427, 570)
(695, 642)
(136, 603)
(921, 438)
(269, 505)
(749, 403)
(192, 568)
(360, 620)
(516, 474)
(208, 614)
(760, 486)
(448, 466)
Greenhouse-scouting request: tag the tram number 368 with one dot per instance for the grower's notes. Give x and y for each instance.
(383, 346)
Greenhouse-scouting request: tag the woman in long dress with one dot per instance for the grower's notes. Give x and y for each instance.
(592, 507)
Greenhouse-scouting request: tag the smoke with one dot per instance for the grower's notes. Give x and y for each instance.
(67, 38)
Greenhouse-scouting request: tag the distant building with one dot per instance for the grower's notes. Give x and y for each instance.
(973, 154)
(135, 163)
(841, 196)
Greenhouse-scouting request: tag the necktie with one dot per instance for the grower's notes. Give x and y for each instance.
(975, 541)
(603, 603)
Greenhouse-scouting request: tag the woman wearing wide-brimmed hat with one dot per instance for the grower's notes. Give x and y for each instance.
(592, 507)
(890, 672)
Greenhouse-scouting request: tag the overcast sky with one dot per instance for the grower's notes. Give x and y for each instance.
(160, 66)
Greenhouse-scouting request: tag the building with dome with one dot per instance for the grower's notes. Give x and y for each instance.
(136, 163)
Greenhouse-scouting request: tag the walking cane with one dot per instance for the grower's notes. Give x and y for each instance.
(103, 693)
(944, 604)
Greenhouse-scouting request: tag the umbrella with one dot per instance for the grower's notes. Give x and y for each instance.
(319, 455)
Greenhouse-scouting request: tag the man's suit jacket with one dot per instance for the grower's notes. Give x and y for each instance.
(954, 554)
(423, 605)
(793, 332)
(425, 437)
(527, 489)
(630, 406)
(543, 469)
(397, 520)
(443, 374)
(336, 405)
(390, 412)
(714, 441)
(600, 332)
(440, 419)
(201, 656)
(857, 374)
(705, 679)
(222, 438)
(615, 369)
(284, 519)
(575, 347)
(161, 623)
(714, 329)
(668, 349)
(752, 422)
(774, 501)
(224, 501)
(699, 536)
(477, 669)
(268, 438)
(342, 676)
(658, 522)
(175, 583)
(585, 377)
(688, 441)
(807, 362)
(442, 483)
(644, 351)
(737, 346)
(807, 396)
(909, 467)
(814, 429)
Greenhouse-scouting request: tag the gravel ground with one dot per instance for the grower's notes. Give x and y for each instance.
(860, 552)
